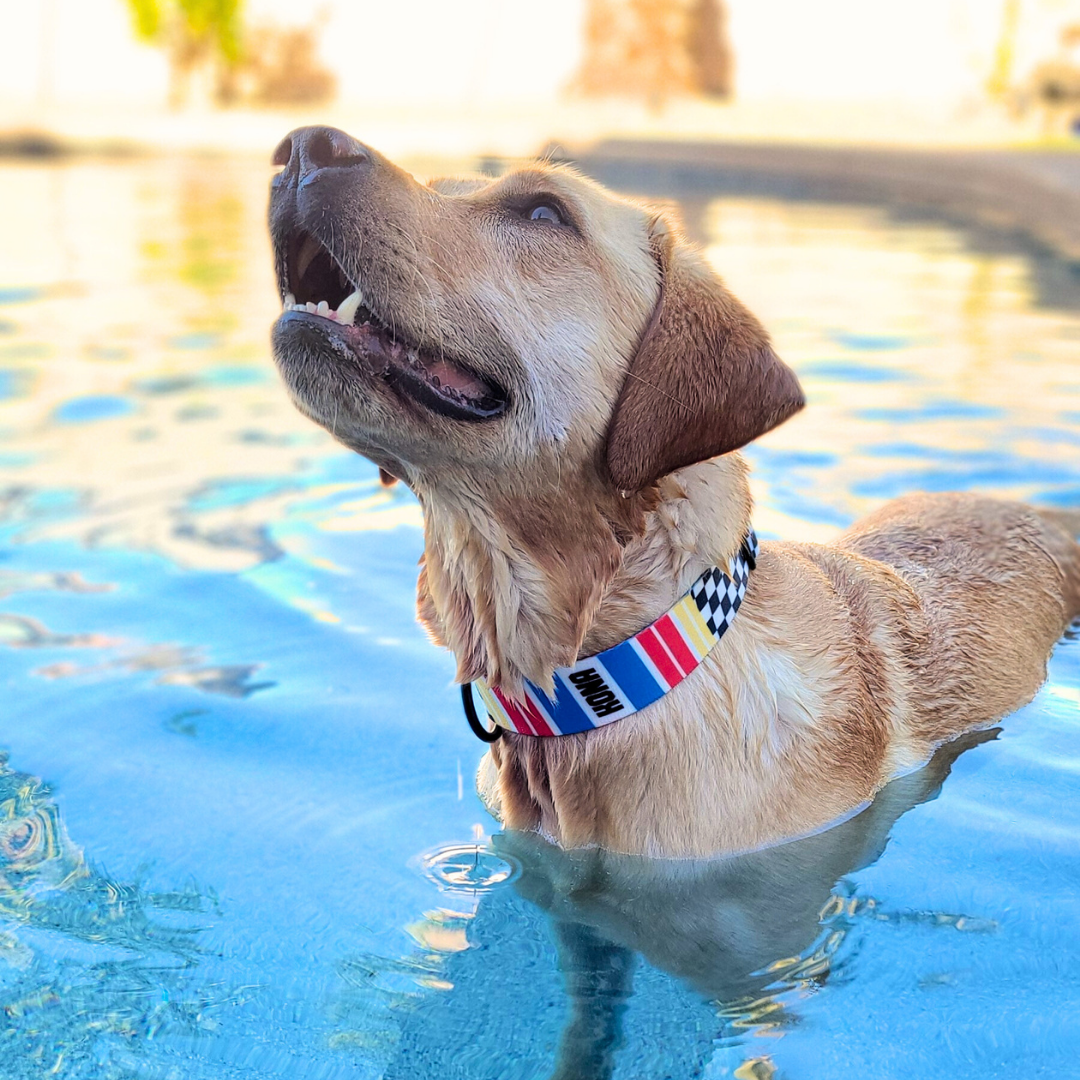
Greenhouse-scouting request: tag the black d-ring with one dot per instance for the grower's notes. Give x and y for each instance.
(478, 728)
(747, 552)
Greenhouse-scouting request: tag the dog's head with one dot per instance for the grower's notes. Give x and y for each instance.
(532, 355)
(534, 326)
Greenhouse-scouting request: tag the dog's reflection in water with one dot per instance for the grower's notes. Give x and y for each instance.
(748, 934)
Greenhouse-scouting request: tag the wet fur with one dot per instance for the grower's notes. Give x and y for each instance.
(572, 522)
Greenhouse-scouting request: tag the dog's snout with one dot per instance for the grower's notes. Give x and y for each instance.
(307, 150)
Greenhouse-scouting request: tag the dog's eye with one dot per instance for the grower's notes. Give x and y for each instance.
(545, 213)
(541, 208)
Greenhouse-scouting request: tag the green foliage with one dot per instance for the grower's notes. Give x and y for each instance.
(146, 14)
(214, 20)
(191, 25)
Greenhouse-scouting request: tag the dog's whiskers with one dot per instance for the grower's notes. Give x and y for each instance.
(653, 386)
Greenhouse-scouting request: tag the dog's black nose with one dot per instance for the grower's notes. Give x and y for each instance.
(307, 150)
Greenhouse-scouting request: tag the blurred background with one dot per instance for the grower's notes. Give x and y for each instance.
(498, 76)
(238, 831)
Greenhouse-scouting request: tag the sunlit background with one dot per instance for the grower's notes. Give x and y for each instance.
(500, 75)
(238, 833)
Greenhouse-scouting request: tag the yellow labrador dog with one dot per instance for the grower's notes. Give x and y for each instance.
(565, 383)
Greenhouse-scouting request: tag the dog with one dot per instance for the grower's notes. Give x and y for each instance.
(565, 384)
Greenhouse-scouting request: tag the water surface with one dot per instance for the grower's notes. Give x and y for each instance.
(238, 831)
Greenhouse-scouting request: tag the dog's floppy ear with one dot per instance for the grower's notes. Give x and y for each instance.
(705, 380)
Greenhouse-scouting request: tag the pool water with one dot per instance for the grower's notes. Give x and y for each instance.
(238, 830)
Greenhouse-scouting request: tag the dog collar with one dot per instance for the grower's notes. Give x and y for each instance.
(623, 680)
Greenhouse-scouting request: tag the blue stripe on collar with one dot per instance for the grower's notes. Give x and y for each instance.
(620, 681)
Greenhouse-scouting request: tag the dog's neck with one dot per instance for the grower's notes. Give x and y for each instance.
(517, 588)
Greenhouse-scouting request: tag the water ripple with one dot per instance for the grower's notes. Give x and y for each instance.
(468, 868)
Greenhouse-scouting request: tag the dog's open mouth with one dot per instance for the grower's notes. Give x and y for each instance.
(319, 287)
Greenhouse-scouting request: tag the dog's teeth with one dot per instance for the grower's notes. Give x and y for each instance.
(310, 308)
(348, 307)
(289, 302)
(323, 309)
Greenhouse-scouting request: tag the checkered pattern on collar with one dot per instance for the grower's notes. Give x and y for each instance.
(620, 681)
(718, 595)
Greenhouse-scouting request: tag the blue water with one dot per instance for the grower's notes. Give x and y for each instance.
(238, 831)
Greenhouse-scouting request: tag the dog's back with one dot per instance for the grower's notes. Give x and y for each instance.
(996, 583)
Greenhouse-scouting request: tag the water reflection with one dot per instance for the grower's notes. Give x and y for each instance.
(751, 937)
(173, 665)
(144, 381)
(134, 375)
(92, 970)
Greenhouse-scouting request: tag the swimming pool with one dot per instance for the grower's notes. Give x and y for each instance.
(238, 831)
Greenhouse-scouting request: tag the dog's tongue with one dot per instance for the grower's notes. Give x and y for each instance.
(447, 375)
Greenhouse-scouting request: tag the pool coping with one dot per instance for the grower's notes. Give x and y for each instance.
(1030, 195)
(1025, 195)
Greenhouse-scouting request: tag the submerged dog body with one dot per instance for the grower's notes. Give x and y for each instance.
(565, 384)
